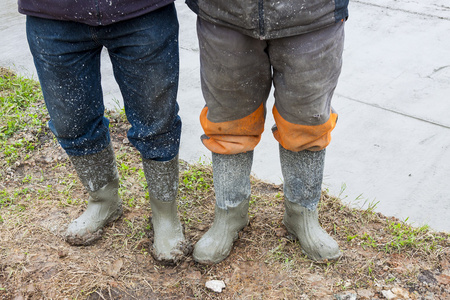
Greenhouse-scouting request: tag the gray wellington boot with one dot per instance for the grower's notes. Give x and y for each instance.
(303, 173)
(169, 244)
(98, 173)
(231, 175)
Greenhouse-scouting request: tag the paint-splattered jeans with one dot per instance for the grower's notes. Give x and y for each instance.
(145, 58)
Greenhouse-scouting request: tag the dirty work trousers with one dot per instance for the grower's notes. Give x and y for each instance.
(145, 59)
(237, 73)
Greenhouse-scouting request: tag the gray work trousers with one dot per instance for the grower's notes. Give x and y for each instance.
(237, 73)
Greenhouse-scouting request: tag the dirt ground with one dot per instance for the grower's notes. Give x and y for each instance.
(383, 258)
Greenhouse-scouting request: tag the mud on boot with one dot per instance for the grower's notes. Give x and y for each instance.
(98, 173)
(303, 173)
(303, 224)
(216, 244)
(231, 175)
(169, 243)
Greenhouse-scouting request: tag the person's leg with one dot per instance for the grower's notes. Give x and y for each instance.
(98, 173)
(144, 54)
(169, 243)
(145, 57)
(303, 173)
(231, 175)
(67, 61)
(306, 71)
(236, 80)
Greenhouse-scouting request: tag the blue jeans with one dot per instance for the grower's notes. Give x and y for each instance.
(145, 58)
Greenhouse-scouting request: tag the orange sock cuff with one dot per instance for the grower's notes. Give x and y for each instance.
(233, 137)
(295, 137)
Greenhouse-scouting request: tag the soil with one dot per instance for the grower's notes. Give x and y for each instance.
(382, 257)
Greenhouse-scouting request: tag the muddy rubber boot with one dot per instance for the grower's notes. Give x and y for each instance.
(303, 173)
(98, 173)
(231, 175)
(169, 244)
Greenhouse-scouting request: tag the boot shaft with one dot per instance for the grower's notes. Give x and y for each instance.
(169, 243)
(96, 170)
(162, 179)
(231, 175)
(303, 173)
(98, 173)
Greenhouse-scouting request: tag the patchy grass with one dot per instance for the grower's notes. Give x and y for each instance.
(40, 193)
(21, 114)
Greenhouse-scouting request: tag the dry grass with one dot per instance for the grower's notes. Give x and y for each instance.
(40, 194)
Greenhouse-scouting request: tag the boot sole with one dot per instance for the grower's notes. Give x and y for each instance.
(91, 238)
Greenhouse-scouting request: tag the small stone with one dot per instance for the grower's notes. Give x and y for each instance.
(365, 294)
(350, 295)
(398, 291)
(388, 294)
(215, 285)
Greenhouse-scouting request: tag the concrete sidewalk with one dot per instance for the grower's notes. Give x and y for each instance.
(392, 142)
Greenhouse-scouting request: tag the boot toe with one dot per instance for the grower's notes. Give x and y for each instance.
(87, 229)
(169, 243)
(315, 242)
(209, 255)
(322, 251)
(81, 236)
(171, 254)
(212, 250)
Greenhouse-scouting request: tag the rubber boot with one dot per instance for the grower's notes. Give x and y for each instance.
(169, 244)
(231, 174)
(98, 173)
(303, 173)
